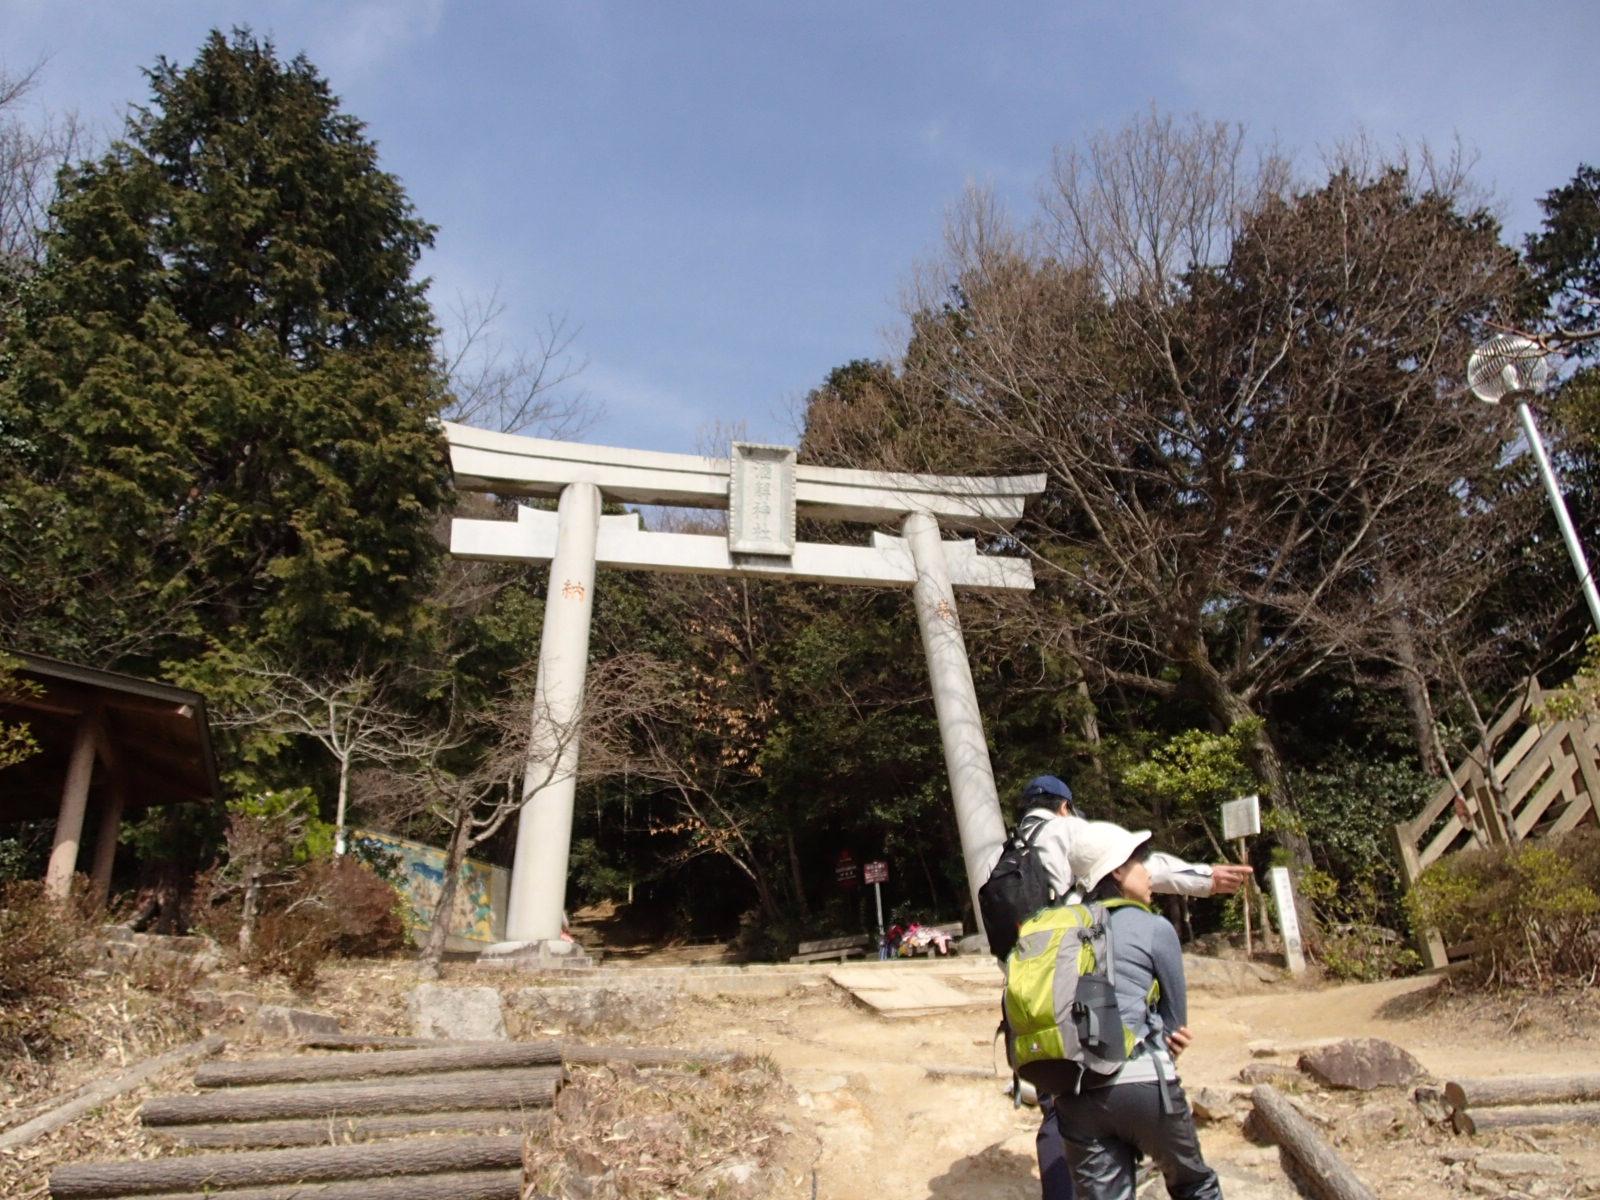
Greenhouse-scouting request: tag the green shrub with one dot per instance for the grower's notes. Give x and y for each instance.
(1355, 943)
(1533, 910)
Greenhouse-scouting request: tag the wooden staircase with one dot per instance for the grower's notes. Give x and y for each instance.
(431, 1121)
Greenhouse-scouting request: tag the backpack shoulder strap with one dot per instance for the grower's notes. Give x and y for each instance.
(1035, 828)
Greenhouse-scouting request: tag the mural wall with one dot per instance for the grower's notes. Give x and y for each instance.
(477, 915)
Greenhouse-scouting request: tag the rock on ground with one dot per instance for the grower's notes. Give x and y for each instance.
(467, 1014)
(1519, 1166)
(597, 1008)
(1361, 1064)
(276, 1020)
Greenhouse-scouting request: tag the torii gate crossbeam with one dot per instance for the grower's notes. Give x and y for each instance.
(762, 487)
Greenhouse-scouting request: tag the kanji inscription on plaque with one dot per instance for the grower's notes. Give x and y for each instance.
(761, 500)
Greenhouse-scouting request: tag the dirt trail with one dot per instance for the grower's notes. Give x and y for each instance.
(883, 1130)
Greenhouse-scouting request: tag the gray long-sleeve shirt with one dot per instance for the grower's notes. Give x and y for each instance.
(1145, 949)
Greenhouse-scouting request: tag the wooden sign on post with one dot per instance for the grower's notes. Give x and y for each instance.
(877, 874)
(1288, 920)
(1241, 818)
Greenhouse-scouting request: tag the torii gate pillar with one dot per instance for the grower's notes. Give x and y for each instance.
(955, 704)
(544, 828)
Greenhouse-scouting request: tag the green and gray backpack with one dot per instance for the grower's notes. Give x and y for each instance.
(1061, 1020)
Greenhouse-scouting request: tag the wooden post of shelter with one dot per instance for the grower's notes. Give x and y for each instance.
(69, 820)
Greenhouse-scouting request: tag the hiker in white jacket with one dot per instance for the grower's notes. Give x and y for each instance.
(1047, 799)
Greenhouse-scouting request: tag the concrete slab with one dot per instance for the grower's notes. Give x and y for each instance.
(904, 993)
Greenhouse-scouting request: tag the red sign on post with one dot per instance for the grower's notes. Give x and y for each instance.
(844, 869)
(875, 872)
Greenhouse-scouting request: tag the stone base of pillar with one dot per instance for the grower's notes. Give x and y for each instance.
(555, 954)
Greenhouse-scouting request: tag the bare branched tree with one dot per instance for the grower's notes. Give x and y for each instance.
(479, 777)
(31, 152)
(353, 715)
(1246, 396)
(512, 391)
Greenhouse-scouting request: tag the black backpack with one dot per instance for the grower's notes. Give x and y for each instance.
(1017, 888)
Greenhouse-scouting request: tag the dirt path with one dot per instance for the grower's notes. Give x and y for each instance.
(881, 1129)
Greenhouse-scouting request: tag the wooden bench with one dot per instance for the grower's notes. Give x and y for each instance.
(837, 949)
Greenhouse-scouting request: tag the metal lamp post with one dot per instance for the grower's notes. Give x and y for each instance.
(1512, 368)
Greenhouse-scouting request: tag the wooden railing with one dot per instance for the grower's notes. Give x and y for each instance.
(1546, 782)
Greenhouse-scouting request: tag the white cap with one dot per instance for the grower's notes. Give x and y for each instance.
(1099, 848)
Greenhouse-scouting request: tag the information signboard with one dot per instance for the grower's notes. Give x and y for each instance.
(875, 872)
(845, 871)
(1241, 818)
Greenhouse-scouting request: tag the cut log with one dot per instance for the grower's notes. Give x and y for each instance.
(1322, 1168)
(1480, 1119)
(466, 1185)
(572, 1052)
(641, 1056)
(531, 1087)
(1521, 1089)
(379, 1041)
(334, 1131)
(212, 1172)
(960, 1072)
(322, 1068)
(86, 1099)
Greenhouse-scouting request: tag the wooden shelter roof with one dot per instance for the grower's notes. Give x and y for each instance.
(155, 735)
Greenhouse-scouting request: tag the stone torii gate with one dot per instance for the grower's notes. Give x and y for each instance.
(761, 487)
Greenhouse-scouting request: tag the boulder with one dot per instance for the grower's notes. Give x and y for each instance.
(224, 1006)
(1277, 1074)
(277, 1020)
(1361, 1064)
(734, 1179)
(1227, 975)
(1214, 1104)
(1510, 1166)
(466, 1014)
(1374, 1120)
(587, 1008)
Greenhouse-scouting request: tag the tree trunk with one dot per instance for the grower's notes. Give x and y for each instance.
(439, 931)
(339, 812)
(248, 910)
(1419, 708)
(1228, 709)
(796, 880)
(1089, 731)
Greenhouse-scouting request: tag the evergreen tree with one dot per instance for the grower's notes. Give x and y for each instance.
(216, 405)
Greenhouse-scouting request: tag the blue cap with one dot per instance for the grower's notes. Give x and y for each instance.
(1047, 787)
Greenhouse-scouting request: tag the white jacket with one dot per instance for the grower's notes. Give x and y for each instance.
(1167, 873)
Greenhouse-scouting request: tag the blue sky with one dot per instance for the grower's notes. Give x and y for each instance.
(727, 200)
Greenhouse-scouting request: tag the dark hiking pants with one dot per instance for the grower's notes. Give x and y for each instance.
(1103, 1128)
(1055, 1176)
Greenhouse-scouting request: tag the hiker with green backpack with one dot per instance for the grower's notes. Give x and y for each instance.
(1035, 872)
(1096, 1015)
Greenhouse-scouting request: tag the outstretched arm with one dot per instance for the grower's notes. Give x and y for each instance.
(1173, 876)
